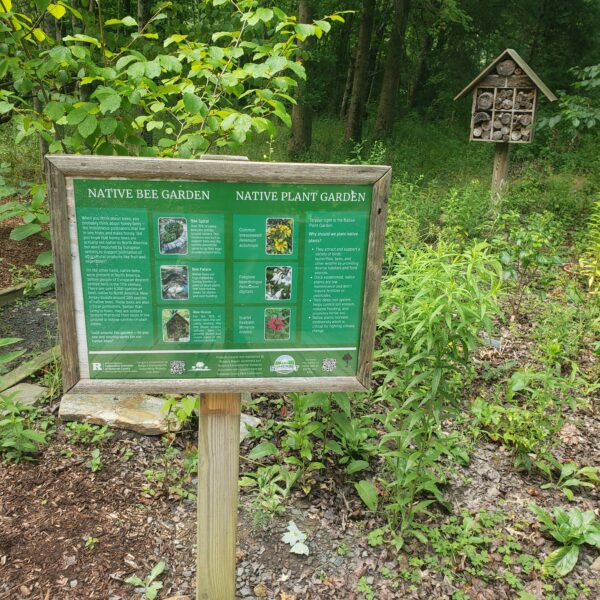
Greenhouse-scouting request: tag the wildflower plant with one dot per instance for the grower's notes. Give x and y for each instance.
(277, 323)
(280, 236)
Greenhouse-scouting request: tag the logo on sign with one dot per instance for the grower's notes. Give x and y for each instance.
(284, 365)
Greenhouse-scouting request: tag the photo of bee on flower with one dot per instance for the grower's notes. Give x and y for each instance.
(280, 233)
(278, 283)
(277, 323)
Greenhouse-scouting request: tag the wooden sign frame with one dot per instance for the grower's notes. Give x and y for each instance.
(61, 170)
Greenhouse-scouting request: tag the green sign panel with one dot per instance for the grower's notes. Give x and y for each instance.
(192, 280)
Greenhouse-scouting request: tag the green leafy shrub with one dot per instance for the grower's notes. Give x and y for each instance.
(589, 263)
(434, 307)
(529, 416)
(19, 437)
(571, 529)
(529, 249)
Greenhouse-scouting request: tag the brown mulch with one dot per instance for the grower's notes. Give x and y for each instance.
(17, 254)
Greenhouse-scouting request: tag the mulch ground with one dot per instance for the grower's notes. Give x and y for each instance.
(16, 255)
(50, 508)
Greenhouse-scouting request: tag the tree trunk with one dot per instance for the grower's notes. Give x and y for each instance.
(347, 89)
(421, 70)
(391, 75)
(343, 68)
(302, 116)
(360, 84)
(143, 13)
(376, 57)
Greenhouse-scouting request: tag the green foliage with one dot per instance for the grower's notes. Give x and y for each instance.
(571, 529)
(90, 543)
(187, 94)
(173, 474)
(570, 476)
(434, 306)
(461, 540)
(95, 463)
(6, 357)
(149, 586)
(20, 439)
(180, 408)
(579, 112)
(589, 263)
(87, 434)
(529, 416)
(466, 211)
(269, 487)
(363, 587)
(528, 250)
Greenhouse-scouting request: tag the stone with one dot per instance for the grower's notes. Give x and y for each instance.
(135, 412)
(246, 420)
(596, 565)
(26, 393)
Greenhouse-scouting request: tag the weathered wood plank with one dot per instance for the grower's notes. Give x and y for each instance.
(218, 469)
(27, 369)
(379, 207)
(59, 222)
(213, 170)
(190, 386)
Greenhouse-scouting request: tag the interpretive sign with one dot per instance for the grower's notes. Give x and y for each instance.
(216, 275)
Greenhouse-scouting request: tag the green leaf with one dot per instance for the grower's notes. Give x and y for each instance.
(124, 61)
(136, 70)
(109, 102)
(80, 37)
(262, 450)
(127, 21)
(24, 231)
(56, 10)
(9, 341)
(108, 125)
(368, 494)
(5, 107)
(357, 465)
(88, 126)
(77, 115)
(304, 30)
(593, 539)
(158, 569)
(55, 110)
(264, 14)
(44, 259)
(561, 561)
(152, 69)
(8, 356)
(194, 104)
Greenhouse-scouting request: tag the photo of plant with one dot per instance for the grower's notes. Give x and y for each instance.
(280, 233)
(278, 283)
(172, 235)
(174, 282)
(176, 325)
(277, 323)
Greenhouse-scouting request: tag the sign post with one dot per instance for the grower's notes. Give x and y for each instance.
(218, 468)
(213, 276)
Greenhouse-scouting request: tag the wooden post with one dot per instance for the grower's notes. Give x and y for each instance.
(218, 469)
(501, 160)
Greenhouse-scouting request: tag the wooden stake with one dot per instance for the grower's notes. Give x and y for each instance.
(218, 469)
(501, 160)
